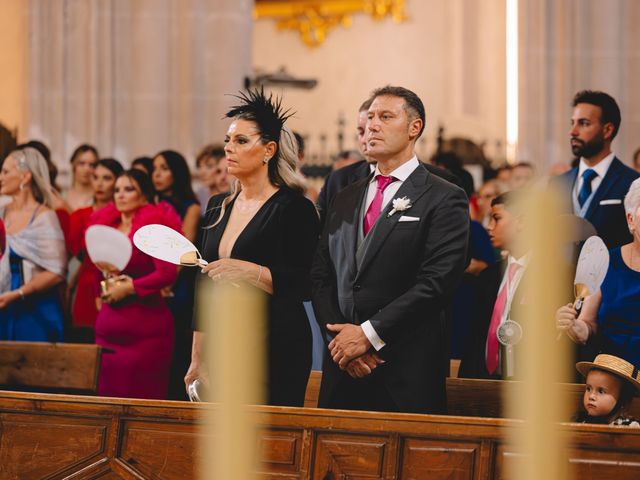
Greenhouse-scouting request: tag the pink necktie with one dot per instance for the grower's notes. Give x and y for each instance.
(496, 317)
(373, 212)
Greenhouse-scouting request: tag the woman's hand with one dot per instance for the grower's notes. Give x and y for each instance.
(566, 317)
(7, 298)
(232, 270)
(120, 290)
(197, 369)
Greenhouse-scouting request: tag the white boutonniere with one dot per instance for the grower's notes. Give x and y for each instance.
(400, 205)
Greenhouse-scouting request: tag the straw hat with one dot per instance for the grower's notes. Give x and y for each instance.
(609, 363)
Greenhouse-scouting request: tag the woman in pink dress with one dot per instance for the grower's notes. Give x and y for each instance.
(134, 321)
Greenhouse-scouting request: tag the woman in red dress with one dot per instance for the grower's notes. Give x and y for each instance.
(83, 307)
(134, 322)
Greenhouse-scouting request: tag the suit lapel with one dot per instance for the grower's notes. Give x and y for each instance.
(609, 180)
(413, 188)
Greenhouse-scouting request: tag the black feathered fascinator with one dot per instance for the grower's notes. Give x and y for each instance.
(267, 112)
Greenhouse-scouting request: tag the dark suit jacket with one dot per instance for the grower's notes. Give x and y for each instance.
(609, 220)
(350, 174)
(402, 284)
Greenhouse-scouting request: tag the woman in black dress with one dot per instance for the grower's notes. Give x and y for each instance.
(264, 233)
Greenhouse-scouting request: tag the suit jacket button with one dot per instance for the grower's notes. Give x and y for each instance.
(357, 288)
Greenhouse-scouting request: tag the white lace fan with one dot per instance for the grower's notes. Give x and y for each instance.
(109, 249)
(592, 268)
(164, 243)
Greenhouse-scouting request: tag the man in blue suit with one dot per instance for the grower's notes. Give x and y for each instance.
(597, 186)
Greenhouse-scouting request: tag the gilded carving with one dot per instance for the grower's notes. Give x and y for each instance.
(313, 19)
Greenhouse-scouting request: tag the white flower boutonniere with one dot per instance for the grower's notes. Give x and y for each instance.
(400, 205)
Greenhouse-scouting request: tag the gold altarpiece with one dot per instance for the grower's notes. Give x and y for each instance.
(313, 19)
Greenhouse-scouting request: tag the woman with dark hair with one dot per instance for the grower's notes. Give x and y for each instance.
(264, 234)
(35, 261)
(83, 306)
(172, 181)
(134, 321)
(83, 161)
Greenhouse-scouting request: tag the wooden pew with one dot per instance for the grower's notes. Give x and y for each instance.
(50, 366)
(483, 398)
(64, 436)
(474, 398)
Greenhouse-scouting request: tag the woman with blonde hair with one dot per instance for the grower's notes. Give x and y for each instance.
(35, 261)
(264, 234)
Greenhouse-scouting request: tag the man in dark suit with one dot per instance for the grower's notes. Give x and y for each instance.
(392, 251)
(595, 189)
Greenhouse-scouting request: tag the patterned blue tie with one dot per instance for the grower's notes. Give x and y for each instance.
(585, 191)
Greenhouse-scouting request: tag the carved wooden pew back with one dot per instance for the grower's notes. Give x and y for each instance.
(59, 436)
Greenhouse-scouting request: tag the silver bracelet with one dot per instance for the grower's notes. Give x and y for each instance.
(259, 274)
(21, 292)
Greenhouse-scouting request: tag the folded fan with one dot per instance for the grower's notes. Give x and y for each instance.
(109, 249)
(164, 243)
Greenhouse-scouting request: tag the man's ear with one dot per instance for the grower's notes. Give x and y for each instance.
(415, 126)
(607, 130)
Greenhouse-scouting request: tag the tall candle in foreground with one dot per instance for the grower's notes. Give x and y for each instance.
(233, 317)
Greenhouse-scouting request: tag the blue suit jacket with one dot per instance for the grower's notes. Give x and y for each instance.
(609, 219)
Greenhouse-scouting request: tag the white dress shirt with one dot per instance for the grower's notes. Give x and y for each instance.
(400, 174)
(601, 169)
(512, 287)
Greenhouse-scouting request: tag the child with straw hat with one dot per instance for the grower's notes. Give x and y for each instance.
(611, 384)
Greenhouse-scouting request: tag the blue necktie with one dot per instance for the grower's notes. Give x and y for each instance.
(585, 191)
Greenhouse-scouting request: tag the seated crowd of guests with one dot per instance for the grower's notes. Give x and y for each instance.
(252, 219)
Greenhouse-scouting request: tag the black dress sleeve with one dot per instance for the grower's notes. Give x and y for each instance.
(300, 227)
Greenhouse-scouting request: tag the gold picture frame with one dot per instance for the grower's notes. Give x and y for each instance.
(314, 18)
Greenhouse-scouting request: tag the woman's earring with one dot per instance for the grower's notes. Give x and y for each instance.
(266, 160)
(21, 186)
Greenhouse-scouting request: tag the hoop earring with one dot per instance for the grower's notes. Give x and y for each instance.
(21, 186)
(266, 160)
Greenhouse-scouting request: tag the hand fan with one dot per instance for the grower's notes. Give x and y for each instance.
(109, 249)
(590, 272)
(509, 334)
(164, 243)
(592, 268)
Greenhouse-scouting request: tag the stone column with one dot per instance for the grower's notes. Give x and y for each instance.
(135, 78)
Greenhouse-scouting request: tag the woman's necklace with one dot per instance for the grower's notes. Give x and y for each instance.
(249, 206)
